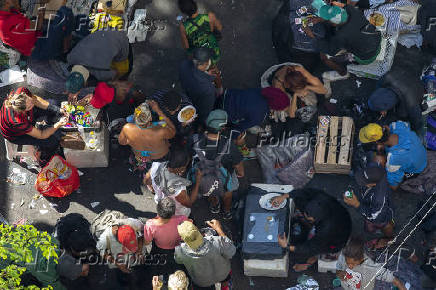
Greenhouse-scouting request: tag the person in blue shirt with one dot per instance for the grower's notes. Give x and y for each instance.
(406, 156)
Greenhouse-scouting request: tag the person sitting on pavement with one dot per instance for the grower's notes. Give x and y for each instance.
(214, 145)
(358, 271)
(206, 259)
(375, 201)
(18, 116)
(102, 54)
(30, 39)
(149, 141)
(330, 219)
(169, 179)
(400, 96)
(199, 30)
(176, 281)
(406, 156)
(201, 84)
(353, 33)
(122, 245)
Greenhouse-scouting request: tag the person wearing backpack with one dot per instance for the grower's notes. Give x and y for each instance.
(200, 30)
(220, 163)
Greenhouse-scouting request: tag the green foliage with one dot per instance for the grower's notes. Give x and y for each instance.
(18, 246)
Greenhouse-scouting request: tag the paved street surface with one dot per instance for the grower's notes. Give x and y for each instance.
(246, 53)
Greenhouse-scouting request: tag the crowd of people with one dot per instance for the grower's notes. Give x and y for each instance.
(182, 160)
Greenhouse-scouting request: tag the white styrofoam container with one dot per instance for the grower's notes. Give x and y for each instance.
(276, 267)
(325, 266)
(91, 158)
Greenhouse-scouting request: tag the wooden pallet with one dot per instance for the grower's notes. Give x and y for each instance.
(334, 147)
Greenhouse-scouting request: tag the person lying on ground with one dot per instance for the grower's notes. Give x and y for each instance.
(207, 259)
(199, 30)
(375, 201)
(353, 33)
(220, 150)
(169, 179)
(149, 140)
(357, 271)
(330, 219)
(19, 114)
(406, 156)
(31, 39)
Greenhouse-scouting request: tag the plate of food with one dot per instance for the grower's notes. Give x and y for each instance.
(187, 114)
(377, 19)
(266, 202)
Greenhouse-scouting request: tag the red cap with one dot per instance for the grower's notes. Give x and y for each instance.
(127, 237)
(103, 95)
(277, 100)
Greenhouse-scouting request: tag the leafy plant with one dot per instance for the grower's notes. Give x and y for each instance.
(18, 247)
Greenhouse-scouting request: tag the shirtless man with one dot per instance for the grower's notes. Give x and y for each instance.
(149, 141)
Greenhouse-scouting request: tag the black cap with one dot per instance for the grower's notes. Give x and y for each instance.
(202, 54)
(370, 175)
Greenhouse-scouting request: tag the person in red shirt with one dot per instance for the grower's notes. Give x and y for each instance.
(28, 38)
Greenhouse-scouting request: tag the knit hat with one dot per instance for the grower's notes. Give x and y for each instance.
(370, 175)
(127, 237)
(382, 99)
(217, 119)
(190, 235)
(277, 100)
(77, 79)
(333, 14)
(370, 133)
(103, 95)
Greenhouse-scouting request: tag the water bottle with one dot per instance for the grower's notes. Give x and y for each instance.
(349, 192)
(93, 141)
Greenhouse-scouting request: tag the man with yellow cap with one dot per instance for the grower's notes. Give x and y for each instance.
(406, 156)
(207, 259)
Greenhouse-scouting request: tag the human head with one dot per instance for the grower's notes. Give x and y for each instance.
(171, 101)
(353, 252)
(382, 99)
(166, 208)
(334, 14)
(80, 242)
(190, 235)
(188, 7)
(370, 176)
(142, 115)
(179, 159)
(201, 57)
(216, 121)
(77, 79)
(294, 80)
(178, 281)
(371, 133)
(276, 98)
(103, 95)
(127, 237)
(21, 100)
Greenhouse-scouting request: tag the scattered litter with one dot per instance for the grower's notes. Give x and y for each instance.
(44, 206)
(32, 204)
(333, 101)
(95, 204)
(12, 205)
(43, 211)
(17, 177)
(22, 202)
(358, 83)
(251, 282)
(173, 85)
(80, 172)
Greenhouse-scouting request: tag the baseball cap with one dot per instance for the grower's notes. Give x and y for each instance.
(127, 237)
(103, 95)
(382, 99)
(190, 234)
(333, 14)
(370, 133)
(217, 119)
(202, 54)
(369, 175)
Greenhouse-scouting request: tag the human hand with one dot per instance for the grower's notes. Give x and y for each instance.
(352, 201)
(154, 106)
(283, 240)
(315, 20)
(85, 101)
(341, 274)
(62, 122)
(156, 283)
(198, 175)
(64, 112)
(278, 200)
(216, 225)
(72, 98)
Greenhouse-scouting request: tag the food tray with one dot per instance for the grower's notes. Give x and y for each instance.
(95, 113)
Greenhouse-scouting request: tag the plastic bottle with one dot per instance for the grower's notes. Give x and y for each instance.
(349, 192)
(93, 141)
(336, 282)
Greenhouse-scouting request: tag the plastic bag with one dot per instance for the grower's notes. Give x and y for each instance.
(299, 172)
(57, 178)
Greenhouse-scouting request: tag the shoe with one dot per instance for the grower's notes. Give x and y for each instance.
(215, 208)
(227, 215)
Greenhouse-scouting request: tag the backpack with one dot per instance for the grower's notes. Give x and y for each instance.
(103, 220)
(213, 176)
(430, 135)
(73, 222)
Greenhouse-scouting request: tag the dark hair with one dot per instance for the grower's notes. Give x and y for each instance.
(295, 80)
(171, 100)
(166, 208)
(354, 248)
(385, 136)
(80, 241)
(188, 7)
(179, 156)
